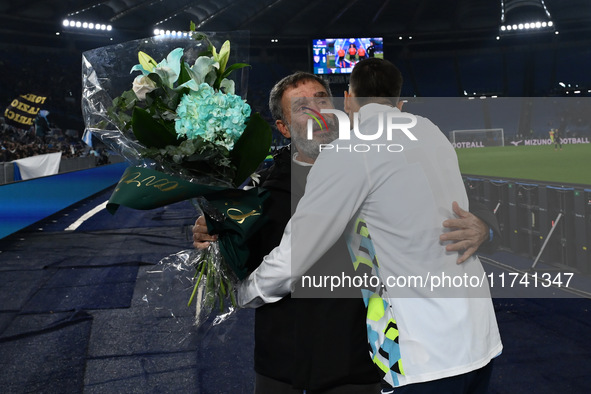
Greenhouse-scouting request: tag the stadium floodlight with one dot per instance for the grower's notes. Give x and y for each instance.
(74, 25)
(170, 33)
(524, 17)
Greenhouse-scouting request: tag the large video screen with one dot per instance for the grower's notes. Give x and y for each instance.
(339, 55)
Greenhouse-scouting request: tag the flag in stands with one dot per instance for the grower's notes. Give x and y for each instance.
(23, 110)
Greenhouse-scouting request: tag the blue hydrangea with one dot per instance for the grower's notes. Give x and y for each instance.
(214, 116)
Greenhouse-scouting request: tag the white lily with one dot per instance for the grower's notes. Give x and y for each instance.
(168, 69)
(223, 56)
(204, 70)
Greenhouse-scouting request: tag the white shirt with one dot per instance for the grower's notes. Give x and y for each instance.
(403, 198)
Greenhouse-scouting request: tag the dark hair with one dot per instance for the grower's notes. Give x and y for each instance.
(375, 77)
(291, 81)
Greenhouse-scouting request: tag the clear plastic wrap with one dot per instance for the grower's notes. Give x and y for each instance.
(177, 273)
(167, 287)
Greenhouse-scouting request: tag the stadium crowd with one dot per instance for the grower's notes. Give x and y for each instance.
(17, 144)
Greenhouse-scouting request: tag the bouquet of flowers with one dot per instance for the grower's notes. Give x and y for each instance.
(189, 134)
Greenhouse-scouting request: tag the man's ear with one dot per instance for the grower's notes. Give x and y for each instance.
(399, 104)
(283, 129)
(347, 102)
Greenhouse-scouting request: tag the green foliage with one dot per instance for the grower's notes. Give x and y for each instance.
(150, 132)
(251, 148)
(184, 76)
(227, 72)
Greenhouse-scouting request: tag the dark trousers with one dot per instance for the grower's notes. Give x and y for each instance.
(475, 382)
(265, 385)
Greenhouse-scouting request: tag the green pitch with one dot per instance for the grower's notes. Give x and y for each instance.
(572, 164)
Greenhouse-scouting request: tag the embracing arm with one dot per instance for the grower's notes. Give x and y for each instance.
(321, 217)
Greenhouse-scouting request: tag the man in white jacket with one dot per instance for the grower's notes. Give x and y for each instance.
(431, 323)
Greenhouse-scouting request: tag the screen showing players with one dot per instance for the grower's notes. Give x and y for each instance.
(339, 55)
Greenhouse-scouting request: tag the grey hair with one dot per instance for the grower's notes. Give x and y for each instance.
(291, 81)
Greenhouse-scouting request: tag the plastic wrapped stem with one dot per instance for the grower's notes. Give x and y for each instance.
(214, 282)
(214, 288)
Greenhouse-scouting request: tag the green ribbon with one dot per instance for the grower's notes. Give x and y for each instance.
(233, 214)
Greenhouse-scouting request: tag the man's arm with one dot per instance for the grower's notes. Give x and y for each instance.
(271, 281)
(321, 217)
(482, 212)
